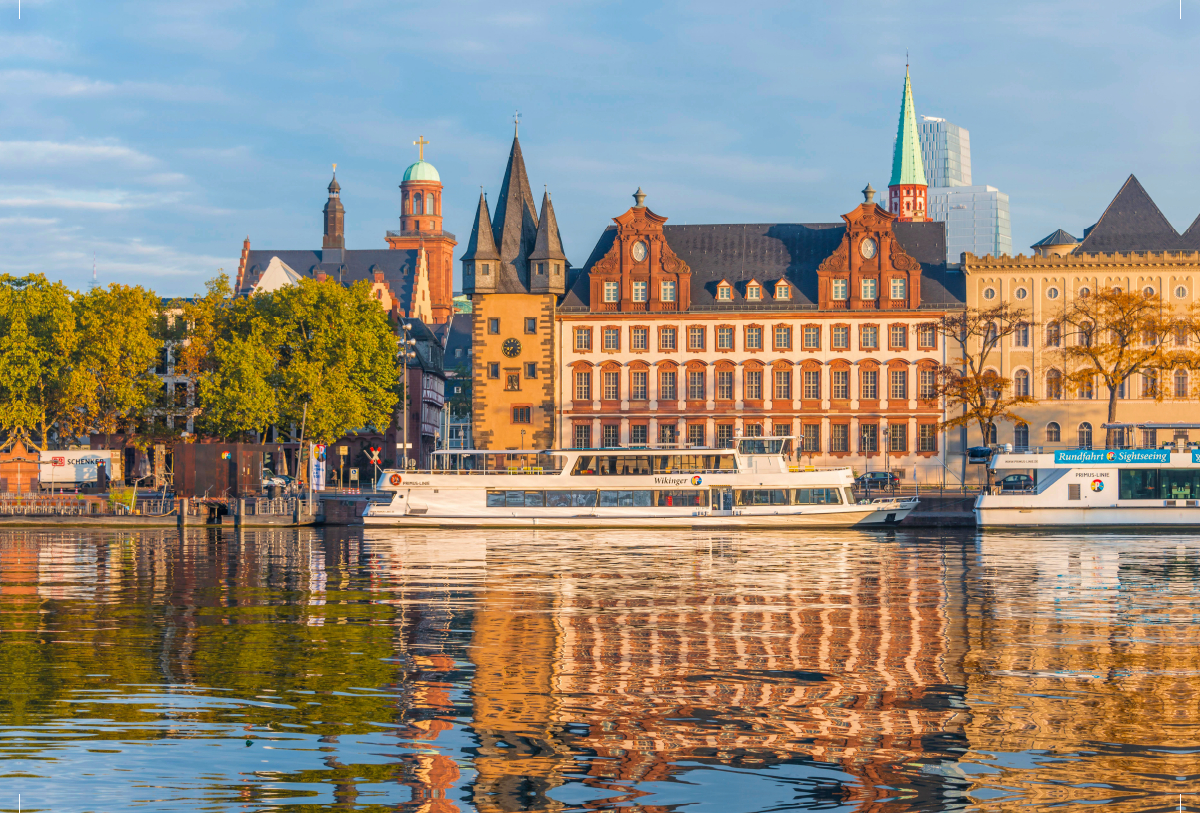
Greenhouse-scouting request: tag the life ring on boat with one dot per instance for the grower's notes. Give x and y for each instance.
(394, 479)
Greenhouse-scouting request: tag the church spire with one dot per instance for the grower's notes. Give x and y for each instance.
(907, 187)
(516, 222)
(482, 246)
(335, 217)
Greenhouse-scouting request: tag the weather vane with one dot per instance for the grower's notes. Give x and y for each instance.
(516, 123)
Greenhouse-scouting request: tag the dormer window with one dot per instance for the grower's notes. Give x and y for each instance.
(841, 289)
(724, 292)
(783, 290)
(898, 288)
(611, 291)
(753, 292)
(487, 268)
(638, 289)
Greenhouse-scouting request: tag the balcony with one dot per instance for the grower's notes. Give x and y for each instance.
(422, 233)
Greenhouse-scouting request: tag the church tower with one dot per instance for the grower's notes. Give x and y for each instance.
(421, 228)
(334, 240)
(547, 262)
(906, 190)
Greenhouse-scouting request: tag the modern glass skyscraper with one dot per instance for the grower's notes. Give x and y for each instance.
(976, 217)
(946, 151)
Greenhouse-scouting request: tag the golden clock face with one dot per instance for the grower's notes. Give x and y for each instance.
(511, 348)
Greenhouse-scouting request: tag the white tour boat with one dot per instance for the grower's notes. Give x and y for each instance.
(1093, 487)
(750, 486)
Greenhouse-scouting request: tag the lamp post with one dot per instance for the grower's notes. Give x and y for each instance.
(406, 353)
(887, 466)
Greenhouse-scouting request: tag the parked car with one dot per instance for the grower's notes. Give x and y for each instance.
(269, 478)
(1016, 482)
(877, 480)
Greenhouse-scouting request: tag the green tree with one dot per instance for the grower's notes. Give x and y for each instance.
(338, 352)
(40, 384)
(206, 319)
(118, 345)
(239, 393)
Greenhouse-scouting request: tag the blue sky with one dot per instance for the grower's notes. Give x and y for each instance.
(157, 135)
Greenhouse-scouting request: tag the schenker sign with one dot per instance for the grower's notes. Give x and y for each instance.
(72, 467)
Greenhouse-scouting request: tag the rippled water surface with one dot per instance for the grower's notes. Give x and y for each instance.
(716, 673)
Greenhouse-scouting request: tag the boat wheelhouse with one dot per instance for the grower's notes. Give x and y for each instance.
(1094, 487)
(750, 485)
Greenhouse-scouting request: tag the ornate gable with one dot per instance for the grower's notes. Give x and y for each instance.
(640, 254)
(869, 269)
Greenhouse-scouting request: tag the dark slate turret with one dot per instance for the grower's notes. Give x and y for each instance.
(547, 263)
(335, 220)
(481, 261)
(515, 228)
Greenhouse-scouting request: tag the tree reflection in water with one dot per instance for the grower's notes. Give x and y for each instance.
(462, 671)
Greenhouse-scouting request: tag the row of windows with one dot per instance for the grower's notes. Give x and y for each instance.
(1181, 292)
(753, 337)
(420, 204)
(639, 291)
(839, 289)
(1083, 336)
(591, 499)
(871, 439)
(493, 324)
(1149, 385)
(696, 385)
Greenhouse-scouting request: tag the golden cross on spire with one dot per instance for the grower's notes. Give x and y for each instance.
(421, 142)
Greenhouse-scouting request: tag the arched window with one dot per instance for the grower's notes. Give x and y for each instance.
(1053, 433)
(417, 205)
(1021, 335)
(1021, 436)
(1021, 383)
(1054, 389)
(1087, 389)
(1085, 435)
(1150, 384)
(990, 338)
(990, 440)
(1053, 335)
(429, 204)
(1086, 330)
(1181, 384)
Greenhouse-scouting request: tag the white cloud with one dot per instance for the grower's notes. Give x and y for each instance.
(24, 83)
(31, 47)
(27, 154)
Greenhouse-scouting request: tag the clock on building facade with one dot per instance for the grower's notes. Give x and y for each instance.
(511, 348)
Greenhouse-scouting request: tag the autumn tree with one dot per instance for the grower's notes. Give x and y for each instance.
(40, 383)
(119, 341)
(1114, 335)
(203, 317)
(971, 383)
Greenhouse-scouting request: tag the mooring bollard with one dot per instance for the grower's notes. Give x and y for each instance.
(183, 512)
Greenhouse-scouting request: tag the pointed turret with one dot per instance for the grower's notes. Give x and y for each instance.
(481, 260)
(547, 262)
(515, 228)
(906, 198)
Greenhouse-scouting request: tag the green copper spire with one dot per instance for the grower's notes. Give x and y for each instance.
(907, 167)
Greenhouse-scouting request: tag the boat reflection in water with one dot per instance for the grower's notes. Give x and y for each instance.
(539, 670)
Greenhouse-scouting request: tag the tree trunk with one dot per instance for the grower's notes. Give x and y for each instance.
(1109, 443)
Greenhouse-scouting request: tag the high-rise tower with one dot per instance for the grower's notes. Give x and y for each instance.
(421, 227)
(907, 188)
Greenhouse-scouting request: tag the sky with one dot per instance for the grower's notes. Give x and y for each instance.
(155, 136)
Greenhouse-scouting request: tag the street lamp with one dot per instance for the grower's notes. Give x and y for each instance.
(406, 353)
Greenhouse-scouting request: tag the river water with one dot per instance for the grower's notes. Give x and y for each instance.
(546, 671)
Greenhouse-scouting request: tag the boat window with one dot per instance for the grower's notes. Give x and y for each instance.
(678, 499)
(1158, 484)
(514, 498)
(625, 499)
(760, 445)
(763, 496)
(533, 498)
(585, 464)
(495, 499)
(654, 464)
(558, 499)
(584, 499)
(817, 496)
(849, 496)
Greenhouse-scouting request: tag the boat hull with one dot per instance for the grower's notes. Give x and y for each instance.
(876, 515)
(1148, 517)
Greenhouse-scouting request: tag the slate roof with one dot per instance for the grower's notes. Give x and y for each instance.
(398, 267)
(515, 226)
(548, 244)
(1132, 222)
(1059, 238)
(769, 252)
(459, 338)
(1190, 240)
(481, 246)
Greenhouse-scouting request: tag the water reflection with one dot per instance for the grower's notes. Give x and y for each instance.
(464, 671)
